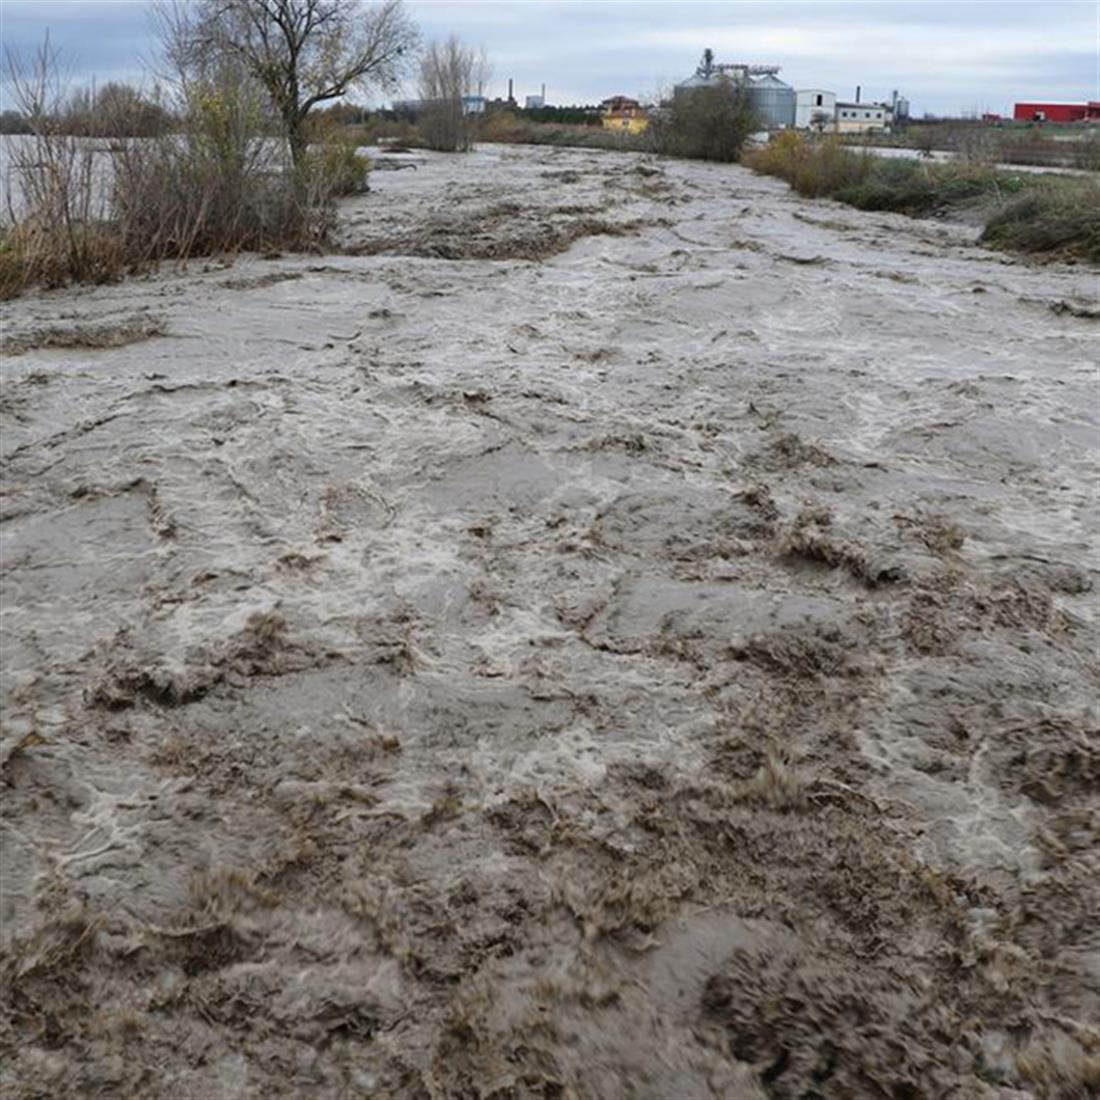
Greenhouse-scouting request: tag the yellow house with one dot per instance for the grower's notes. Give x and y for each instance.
(624, 115)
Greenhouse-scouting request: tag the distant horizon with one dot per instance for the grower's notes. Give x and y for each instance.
(974, 57)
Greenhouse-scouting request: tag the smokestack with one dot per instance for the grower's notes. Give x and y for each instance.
(510, 96)
(544, 94)
(857, 93)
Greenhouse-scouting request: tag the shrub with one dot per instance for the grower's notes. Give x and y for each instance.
(1086, 152)
(336, 168)
(33, 253)
(1062, 218)
(812, 167)
(710, 123)
(379, 130)
(829, 167)
(444, 127)
(780, 157)
(908, 187)
(219, 186)
(508, 128)
(12, 122)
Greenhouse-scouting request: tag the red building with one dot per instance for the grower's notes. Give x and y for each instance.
(1057, 112)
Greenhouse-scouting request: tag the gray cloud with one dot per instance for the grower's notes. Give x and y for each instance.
(107, 39)
(945, 56)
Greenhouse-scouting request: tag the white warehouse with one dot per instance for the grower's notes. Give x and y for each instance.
(861, 118)
(814, 109)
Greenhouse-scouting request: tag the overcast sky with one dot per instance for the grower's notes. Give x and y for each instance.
(947, 57)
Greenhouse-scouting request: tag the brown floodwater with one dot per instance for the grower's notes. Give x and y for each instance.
(616, 630)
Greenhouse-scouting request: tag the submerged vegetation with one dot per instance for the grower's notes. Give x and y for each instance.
(1058, 216)
(230, 159)
(217, 184)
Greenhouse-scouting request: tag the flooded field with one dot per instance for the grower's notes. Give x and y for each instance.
(618, 630)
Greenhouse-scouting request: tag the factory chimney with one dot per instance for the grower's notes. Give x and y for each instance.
(544, 95)
(511, 98)
(857, 93)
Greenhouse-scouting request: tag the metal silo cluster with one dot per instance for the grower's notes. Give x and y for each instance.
(773, 102)
(772, 99)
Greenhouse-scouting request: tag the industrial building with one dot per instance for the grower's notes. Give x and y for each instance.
(534, 102)
(778, 106)
(772, 100)
(410, 108)
(814, 109)
(1057, 112)
(862, 118)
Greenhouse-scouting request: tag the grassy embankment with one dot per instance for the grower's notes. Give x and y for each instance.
(1057, 217)
(1004, 143)
(512, 129)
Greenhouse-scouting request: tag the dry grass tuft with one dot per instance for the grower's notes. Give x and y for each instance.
(200, 949)
(809, 540)
(796, 653)
(792, 450)
(1058, 1064)
(54, 947)
(776, 786)
(261, 648)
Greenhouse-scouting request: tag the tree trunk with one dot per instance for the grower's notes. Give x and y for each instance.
(293, 124)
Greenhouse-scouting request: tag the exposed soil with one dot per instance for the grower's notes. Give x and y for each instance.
(624, 631)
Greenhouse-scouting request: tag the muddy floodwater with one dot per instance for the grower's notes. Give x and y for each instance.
(616, 630)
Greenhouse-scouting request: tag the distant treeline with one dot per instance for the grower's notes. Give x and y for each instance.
(580, 115)
(121, 110)
(565, 116)
(114, 110)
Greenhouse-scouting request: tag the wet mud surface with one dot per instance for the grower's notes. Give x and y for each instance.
(623, 632)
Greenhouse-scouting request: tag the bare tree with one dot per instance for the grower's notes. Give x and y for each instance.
(54, 187)
(303, 52)
(449, 73)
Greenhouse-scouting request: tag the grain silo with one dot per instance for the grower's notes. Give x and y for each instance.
(771, 99)
(773, 102)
